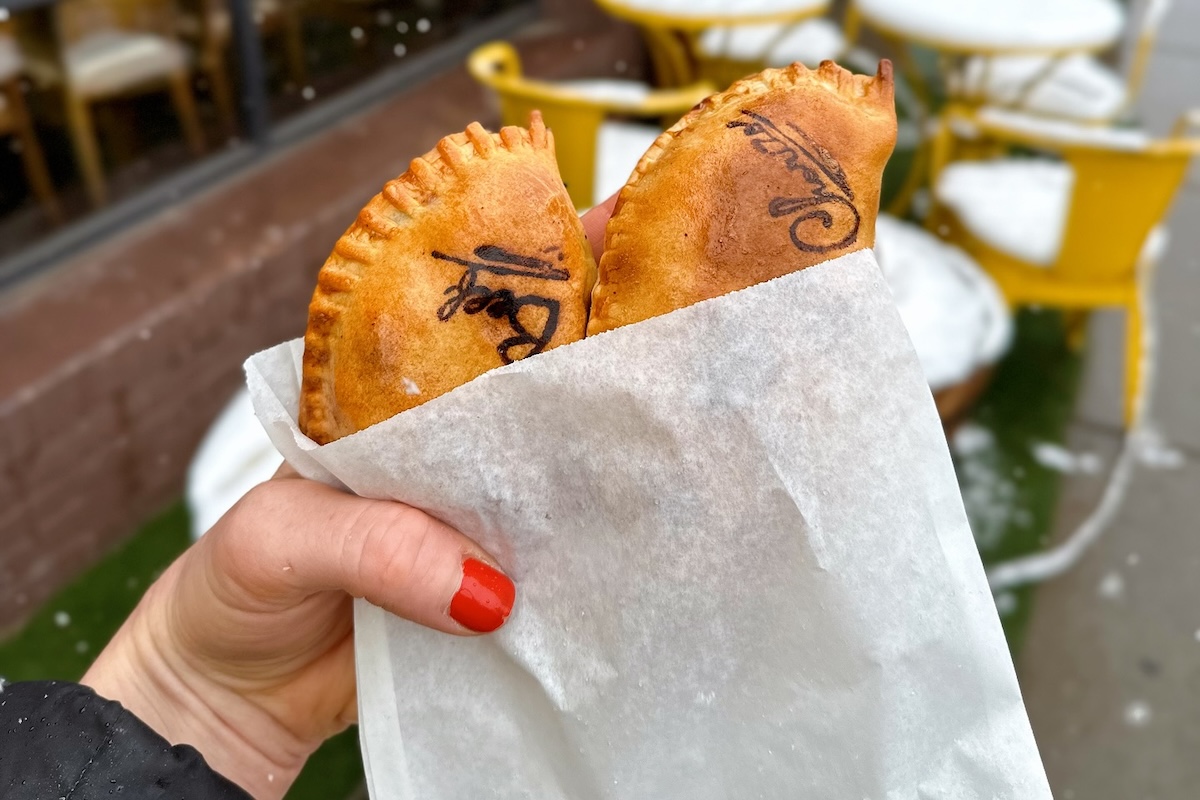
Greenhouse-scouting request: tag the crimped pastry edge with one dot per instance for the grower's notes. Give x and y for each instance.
(401, 201)
(841, 82)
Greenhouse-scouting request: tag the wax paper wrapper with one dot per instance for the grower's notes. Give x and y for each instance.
(743, 568)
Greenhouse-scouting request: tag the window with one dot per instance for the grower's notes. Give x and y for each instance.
(103, 100)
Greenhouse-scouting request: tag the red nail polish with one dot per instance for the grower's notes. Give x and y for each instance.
(484, 599)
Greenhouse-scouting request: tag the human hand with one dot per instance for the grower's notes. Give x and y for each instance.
(244, 647)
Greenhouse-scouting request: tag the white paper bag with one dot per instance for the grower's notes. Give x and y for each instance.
(743, 568)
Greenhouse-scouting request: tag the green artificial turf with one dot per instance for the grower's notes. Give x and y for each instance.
(61, 640)
(1010, 497)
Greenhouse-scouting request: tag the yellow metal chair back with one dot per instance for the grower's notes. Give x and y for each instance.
(1118, 196)
(1117, 199)
(574, 117)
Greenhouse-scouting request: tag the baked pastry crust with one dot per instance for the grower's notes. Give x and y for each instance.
(473, 258)
(777, 173)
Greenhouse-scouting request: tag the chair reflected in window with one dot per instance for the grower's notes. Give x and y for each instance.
(16, 121)
(208, 27)
(104, 49)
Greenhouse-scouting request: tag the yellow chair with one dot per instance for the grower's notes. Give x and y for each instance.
(579, 113)
(1078, 233)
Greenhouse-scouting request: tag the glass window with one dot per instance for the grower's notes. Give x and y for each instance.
(318, 47)
(100, 99)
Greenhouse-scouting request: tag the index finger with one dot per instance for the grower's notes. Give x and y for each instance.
(594, 222)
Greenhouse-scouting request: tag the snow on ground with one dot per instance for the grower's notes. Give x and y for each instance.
(1155, 452)
(1060, 459)
(989, 490)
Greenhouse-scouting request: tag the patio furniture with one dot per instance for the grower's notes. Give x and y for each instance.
(994, 27)
(955, 314)
(15, 121)
(722, 41)
(959, 30)
(208, 26)
(1078, 233)
(596, 153)
(103, 49)
(1077, 86)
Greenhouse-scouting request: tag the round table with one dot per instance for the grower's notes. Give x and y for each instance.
(693, 15)
(994, 27)
(673, 28)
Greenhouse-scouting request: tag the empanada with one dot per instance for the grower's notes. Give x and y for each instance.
(472, 259)
(777, 173)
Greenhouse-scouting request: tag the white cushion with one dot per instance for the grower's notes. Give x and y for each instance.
(1063, 131)
(10, 57)
(618, 149)
(809, 43)
(235, 456)
(111, 61)
(1077, 87)
(607, 90)
(1018, 206)
(984, 25)
(954, 313)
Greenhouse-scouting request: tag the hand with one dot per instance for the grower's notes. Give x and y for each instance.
(244, 647)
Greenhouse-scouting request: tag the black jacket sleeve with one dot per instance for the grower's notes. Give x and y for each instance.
(62, 740)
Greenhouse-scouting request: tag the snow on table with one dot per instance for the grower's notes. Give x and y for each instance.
(1000, 25)
(1065, 132)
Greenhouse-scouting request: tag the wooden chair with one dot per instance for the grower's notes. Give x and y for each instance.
(1079, 232)
(592, 147)
(208, 27)
(103, 49)
(15, 120)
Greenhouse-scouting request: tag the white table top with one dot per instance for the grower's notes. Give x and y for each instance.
(685, 13)
(999, 25)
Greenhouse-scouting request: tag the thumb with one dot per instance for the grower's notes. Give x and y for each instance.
(291, 538)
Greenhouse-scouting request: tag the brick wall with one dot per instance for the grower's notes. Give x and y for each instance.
(116, 362)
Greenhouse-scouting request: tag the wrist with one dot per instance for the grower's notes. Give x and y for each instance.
(238, 739)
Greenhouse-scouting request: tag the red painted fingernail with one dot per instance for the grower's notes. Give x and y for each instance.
(484, 599)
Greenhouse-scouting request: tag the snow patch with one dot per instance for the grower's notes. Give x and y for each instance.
(1156, 453)
(1138, 714)
(1058, 458)
(1112, 586)
(989, 490)
(1006, 603)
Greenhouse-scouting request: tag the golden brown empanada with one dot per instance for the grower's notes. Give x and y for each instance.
(777, 173)
(472, 259)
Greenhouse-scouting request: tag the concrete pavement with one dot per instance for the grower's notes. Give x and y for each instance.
(1111, 664)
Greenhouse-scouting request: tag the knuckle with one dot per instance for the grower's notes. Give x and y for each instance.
(396, 548)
